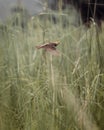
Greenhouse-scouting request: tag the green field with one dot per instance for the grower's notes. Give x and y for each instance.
(40, 91)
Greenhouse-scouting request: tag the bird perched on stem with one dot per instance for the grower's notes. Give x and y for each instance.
(50, 47)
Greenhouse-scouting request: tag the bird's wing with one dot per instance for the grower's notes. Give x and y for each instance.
(53, 51)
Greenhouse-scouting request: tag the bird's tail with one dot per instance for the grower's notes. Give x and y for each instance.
(38, 47)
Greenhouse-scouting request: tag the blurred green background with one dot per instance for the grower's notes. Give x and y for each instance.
(39, 91)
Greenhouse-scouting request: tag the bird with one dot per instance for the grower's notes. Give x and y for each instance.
(50, 47)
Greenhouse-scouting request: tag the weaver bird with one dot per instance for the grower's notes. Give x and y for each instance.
(50, 47)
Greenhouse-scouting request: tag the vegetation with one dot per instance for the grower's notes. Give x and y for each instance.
(39, 91)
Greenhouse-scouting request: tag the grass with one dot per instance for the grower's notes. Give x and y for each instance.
(39, 91)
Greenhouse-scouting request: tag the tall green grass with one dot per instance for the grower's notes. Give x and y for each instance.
(39, 91)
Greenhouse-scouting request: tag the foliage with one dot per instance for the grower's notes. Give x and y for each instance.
(39, 91)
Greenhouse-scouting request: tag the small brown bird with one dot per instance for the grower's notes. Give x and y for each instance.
(50, 47)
